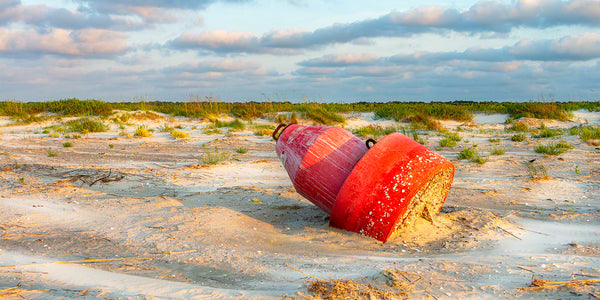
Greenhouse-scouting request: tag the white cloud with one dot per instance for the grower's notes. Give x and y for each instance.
(86, 42)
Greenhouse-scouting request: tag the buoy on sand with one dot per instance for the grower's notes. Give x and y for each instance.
(368, 191)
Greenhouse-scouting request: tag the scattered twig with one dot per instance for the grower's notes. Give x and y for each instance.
(543, 284)
(584, 275)
(80, 293)
(107, 178)
(525, 269)
(100, 294)
(28, 191)
(303, 273)
(522, 228)
(101, 178)
(508, 232)
(9, 289)
(91, 179)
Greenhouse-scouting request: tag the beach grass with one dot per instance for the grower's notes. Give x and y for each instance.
(322, 113)
(519, 137)
(214, 157)
(549, 133)
(536, 170)
(587, 133)
(85, 125)
(235, 124)
(142, 132)
(472, 155)
(165, 128)
(450, 140)
(518, 127)
(374, 131)
(497, 151)
(423, 121)
(178, 134)
(554, 148)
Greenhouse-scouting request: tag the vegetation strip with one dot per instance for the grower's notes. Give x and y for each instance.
(321, 112)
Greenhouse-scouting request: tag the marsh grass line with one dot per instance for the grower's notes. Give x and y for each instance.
(321, 113)
(374, 131)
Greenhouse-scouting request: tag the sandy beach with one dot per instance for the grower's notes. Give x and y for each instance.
(111, 217)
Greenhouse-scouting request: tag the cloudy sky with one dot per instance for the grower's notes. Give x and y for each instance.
(322, 50)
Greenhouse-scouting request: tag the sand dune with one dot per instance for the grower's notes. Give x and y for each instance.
(176, 227)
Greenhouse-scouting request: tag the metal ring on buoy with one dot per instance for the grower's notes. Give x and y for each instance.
(277, 129)
(370, 141)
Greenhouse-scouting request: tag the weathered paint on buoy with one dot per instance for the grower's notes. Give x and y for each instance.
(396, 180)
(318, 159)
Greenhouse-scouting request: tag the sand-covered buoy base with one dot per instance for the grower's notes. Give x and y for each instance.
(429, 200)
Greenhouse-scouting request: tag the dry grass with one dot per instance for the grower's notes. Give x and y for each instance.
(125, 134)
(142, 132)
(179, 134)
(536, 170)
(548, 284)
(387, 284)
(421, 120)
(146, 115)
(395, 285)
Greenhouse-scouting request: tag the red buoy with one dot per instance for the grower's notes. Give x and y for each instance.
(370, 192)
(396, 180)
(318, 159)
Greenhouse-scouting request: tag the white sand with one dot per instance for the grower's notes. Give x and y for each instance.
(208, 236)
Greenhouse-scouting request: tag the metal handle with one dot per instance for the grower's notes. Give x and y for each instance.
(370, 141)
(277, 129)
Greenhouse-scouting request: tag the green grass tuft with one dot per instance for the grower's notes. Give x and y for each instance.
(519, 127)
(554, 148)
(472, 155)
(536, 170)
(450, 140)
(165, 128)
(519, 137)
(85, 125)
(548, 133)
(215, 157)
(320, 114)
(497, 151)
(235, 124)
(374, 131)
(142, 132)
(586, 133)
(52, 153)
(421, 120)
(178, 134)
